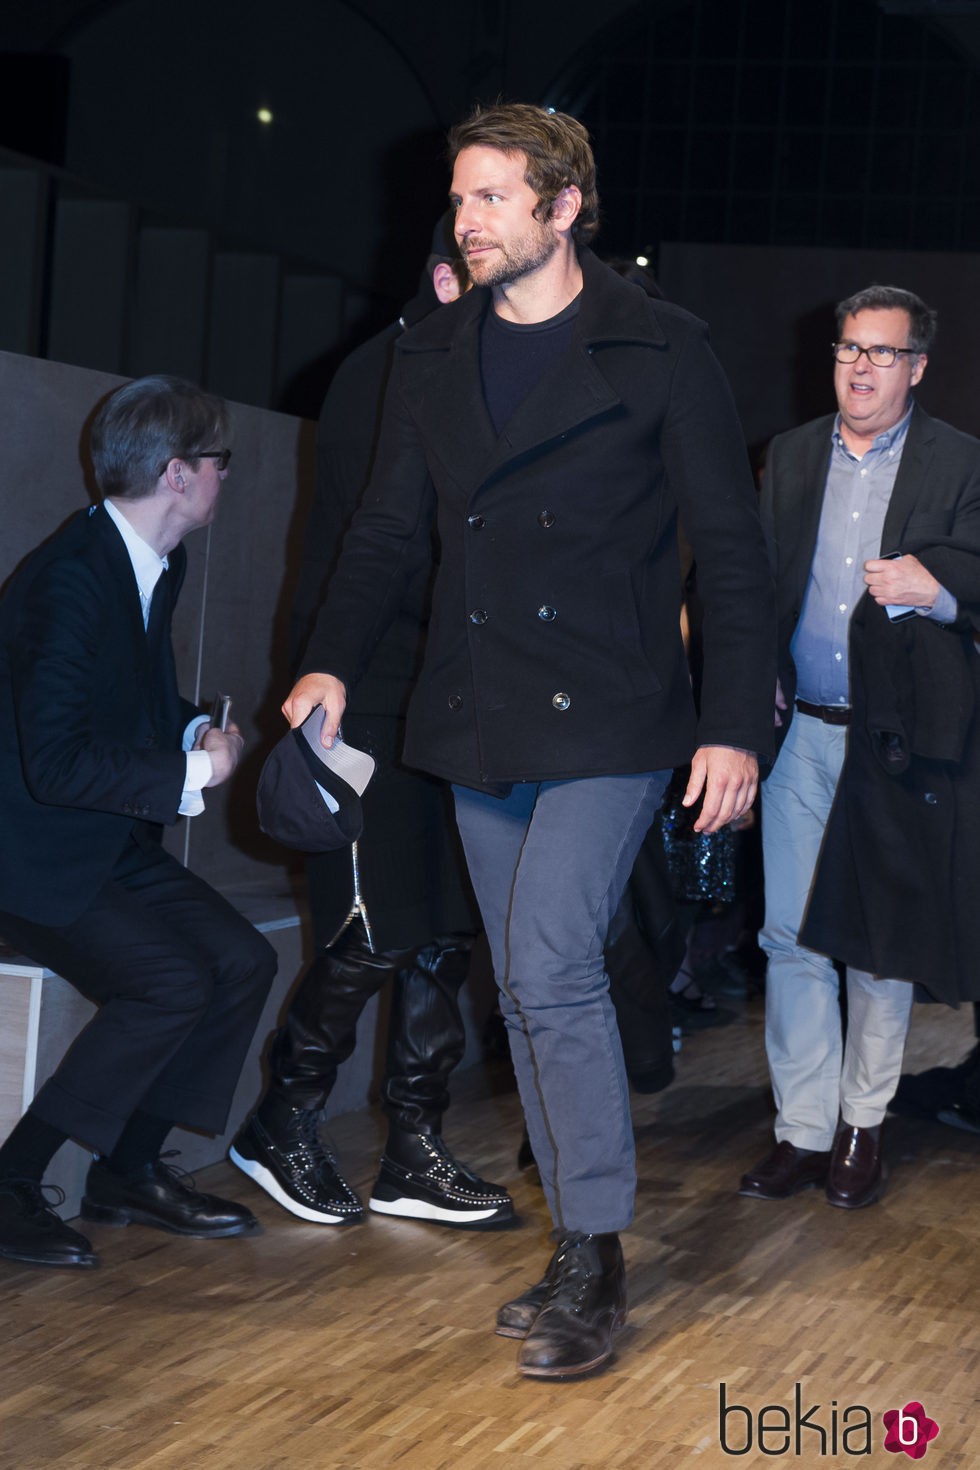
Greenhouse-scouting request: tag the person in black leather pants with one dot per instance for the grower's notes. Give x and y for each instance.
(397, 908)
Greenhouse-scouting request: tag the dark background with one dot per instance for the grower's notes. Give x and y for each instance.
(787, 125)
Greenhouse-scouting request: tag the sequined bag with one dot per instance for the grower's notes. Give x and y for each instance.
(701, 864)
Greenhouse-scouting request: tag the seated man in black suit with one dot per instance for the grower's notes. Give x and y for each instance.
(97, 751)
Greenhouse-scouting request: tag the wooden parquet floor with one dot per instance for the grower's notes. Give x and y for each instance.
(314, 1348)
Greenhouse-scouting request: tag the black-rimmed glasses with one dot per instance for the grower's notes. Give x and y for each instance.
(220, 456)
(881, 356)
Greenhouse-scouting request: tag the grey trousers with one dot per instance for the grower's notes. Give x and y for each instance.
(549, 864)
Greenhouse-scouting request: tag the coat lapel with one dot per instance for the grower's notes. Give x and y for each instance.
(153, 655)
(910, 482)
(120, 570)
(802, 518)
(442, 358)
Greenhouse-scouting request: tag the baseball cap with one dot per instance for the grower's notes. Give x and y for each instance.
(309, 798)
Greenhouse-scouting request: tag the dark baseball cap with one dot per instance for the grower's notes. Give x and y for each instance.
(301, 784)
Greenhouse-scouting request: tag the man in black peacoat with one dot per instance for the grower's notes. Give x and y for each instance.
(95, 756)
(873, 517)
(551, 422)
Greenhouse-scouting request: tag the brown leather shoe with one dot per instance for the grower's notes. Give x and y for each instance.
(785, 1172)
(856, 1175)
(585, 1305)
(516, 1318)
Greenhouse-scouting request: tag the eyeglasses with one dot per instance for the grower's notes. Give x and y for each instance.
(882, 357)
(220, 457)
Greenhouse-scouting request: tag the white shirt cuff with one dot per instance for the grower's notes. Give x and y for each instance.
(199, 773)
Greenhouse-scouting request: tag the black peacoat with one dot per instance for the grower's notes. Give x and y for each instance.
(554, 648)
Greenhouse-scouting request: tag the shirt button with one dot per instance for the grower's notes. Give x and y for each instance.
(479, 615)
(546, 518)
(560, 700)
(547, 614)
(842, 607)
(475, 523)
(838, 656)
(455, 702)
(855, 515)
(848, 561)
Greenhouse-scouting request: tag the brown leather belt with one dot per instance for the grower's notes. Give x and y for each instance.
(831, 714)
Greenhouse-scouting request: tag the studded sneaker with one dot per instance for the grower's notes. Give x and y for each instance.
(420, 1180)
(293, 1165)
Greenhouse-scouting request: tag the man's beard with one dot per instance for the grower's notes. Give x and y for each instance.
(510, 263)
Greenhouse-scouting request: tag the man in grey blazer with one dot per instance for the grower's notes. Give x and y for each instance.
(878, 500)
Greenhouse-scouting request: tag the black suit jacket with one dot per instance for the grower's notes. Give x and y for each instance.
(90, 719)
(554, 648)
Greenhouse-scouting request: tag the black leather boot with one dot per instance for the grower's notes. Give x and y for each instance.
(584, 1305)
(320, 1028)
(426, 1035)
(516, 1318)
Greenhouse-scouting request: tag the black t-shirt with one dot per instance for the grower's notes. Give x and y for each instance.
(514, 356)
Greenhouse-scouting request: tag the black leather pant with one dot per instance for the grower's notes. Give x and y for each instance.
(425, 1030)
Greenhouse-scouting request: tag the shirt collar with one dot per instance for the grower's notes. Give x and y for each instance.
(147, 565)
(892, 438)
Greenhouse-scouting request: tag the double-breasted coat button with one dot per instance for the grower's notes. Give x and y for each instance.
(547, 614)
(475, 523)
(479, 615)
(455, 702)
(546, 518)
(561, 701)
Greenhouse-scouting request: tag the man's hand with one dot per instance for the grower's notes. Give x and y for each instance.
(780, 705)
(224, 747)
(311, 690)
(729, 779)
(901, 581)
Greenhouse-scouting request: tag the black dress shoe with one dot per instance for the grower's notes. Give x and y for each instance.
(961, 1115)
(32, 1233)
(929, 1094)
(584, 1305)
(855, 1176)
(162, 1196)
(785, 1172)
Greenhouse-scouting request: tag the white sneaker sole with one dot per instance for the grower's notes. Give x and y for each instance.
(266, 1180)
(417, 1209)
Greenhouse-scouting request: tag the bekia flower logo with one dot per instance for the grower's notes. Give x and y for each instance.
(909, 1430)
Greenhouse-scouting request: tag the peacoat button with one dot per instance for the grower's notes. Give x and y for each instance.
(547, 614)
(475, 523)
(546, 518)
(931, 798)
(560, 700)
(455, 702)
(479, 615)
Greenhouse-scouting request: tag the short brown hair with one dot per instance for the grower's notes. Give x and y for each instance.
(555, 145)
(922, 318)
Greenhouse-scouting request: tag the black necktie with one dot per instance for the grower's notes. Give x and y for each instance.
(160, 610)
